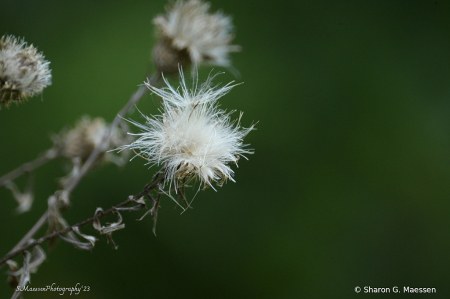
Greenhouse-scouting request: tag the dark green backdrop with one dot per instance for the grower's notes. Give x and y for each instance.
(350, 182)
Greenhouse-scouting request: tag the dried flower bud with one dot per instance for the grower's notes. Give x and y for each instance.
(189, 34)
(23, 71)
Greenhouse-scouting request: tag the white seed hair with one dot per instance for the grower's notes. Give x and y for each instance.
(206, 37)
(192, 138)
(207, 93)
(22, 68)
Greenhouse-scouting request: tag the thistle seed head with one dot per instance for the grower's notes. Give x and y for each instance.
(192, 138)
(189, 34)
(85, 137)
(23, 71)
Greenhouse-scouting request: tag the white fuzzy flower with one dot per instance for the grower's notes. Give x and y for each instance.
(23, 71)
(188, 27)
(192, 138)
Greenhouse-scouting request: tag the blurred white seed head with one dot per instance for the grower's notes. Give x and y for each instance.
(80, 141)
(189, 34)
(192, 138)
(23, 71)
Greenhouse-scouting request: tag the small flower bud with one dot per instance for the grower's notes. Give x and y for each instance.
(23, 71)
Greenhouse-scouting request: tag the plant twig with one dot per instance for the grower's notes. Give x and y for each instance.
(43, 158)
(159, 178)
(31, 232)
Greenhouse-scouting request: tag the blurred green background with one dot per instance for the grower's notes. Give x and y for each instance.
(350, 182)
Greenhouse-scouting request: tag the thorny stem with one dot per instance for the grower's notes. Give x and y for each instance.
(87, 165)
(47, 156)
(155, 183)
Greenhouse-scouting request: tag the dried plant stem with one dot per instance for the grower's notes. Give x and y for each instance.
(43, 158)
(31, 232)
(87, 165)
(159, 178)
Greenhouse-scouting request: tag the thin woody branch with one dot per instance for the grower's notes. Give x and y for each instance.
(159, 178)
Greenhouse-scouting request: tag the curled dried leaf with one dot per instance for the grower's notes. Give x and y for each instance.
(81, 245)
(153, 211)
(140, 205)
(78, 244)
(96, 224)
(12, 280)
(22, 275)
(56, 203)
(37, 258)
(30, 265)
(53, 214)
(109, 229)
(63, 199)
(112, 227)
(76, 167)
(24, 199)
(91, 239)
(140, 200)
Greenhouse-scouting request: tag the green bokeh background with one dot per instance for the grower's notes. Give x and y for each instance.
(350, 182)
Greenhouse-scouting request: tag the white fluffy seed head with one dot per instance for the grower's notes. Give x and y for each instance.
(23, 71)
(188, 27)
(192, 138)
